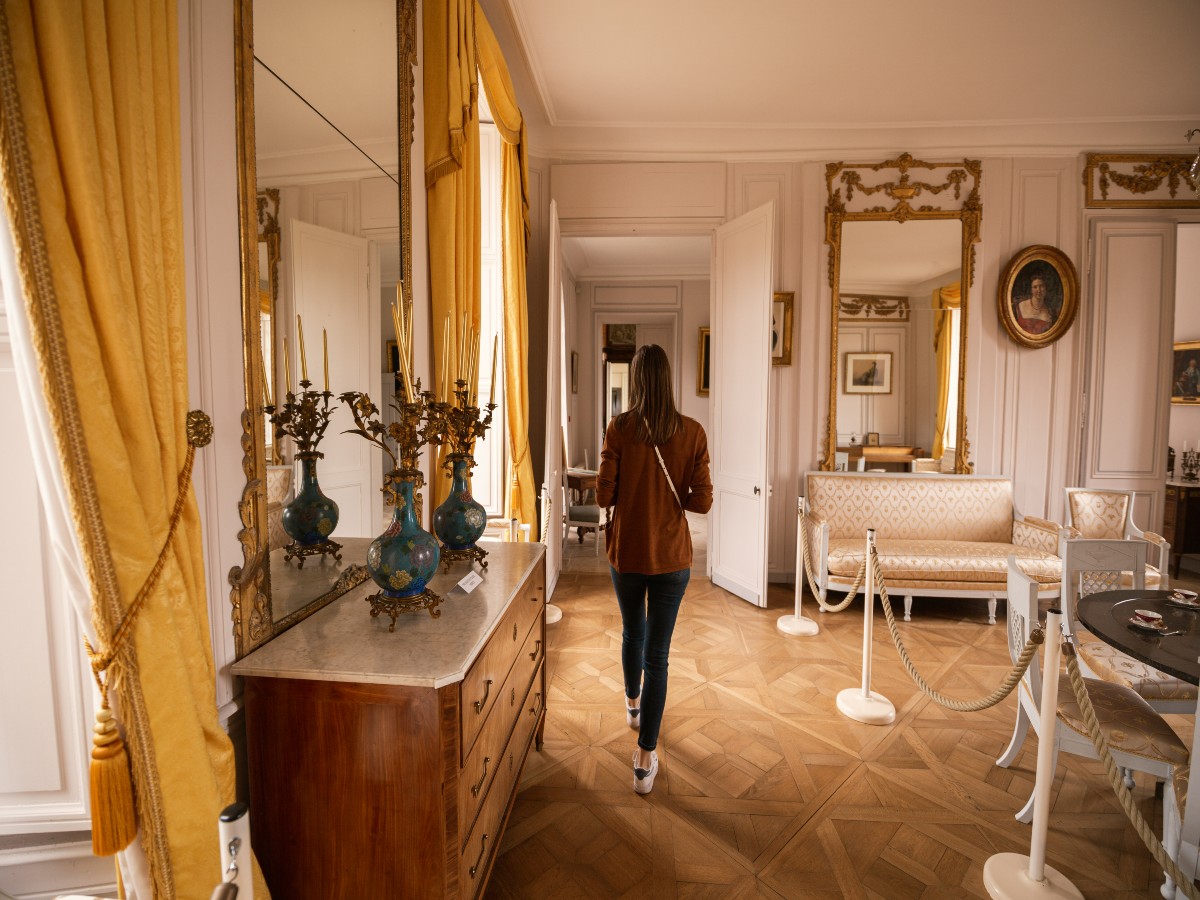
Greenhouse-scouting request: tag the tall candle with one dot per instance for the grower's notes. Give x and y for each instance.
(262, 358)
(325, 347)
(446, 360)
(303, 356)
(495, 345)
(287, 366)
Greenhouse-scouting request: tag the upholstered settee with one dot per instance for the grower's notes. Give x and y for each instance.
(937, 535)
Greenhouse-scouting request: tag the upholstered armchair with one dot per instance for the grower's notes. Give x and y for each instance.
(1108, 515)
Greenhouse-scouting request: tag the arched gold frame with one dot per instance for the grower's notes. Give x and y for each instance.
(955, 185)
(250, 594)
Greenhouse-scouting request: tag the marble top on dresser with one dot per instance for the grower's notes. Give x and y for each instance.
(343, 642)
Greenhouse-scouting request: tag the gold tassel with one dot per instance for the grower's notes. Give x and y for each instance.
(114, 823)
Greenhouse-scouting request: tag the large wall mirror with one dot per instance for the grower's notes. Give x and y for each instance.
(306, 72)
(901, 237)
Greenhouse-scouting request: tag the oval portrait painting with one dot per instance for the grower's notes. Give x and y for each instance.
(1039, 294)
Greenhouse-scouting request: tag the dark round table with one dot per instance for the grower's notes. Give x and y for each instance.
(1107, 613)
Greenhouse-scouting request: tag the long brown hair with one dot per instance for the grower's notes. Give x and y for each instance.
(650, 395)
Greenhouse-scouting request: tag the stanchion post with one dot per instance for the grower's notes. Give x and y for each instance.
(1013, 876)
(553, 613)
(797, 624)
(865, 705)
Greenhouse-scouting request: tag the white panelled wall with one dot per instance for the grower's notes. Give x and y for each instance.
(1024, 407)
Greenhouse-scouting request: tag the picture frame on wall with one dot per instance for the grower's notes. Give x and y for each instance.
(1038, 296)
(702, 361)
(782, 304)
(872, 438)
(1185, 373)
(867, 373)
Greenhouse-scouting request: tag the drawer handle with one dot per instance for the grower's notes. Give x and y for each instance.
(537, 646)
(482, 846)
(514, 631)
(537, 706)
(476, 788)
(533, 595)
(487, 689)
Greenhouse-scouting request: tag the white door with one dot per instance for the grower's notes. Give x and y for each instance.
(743, 278)
(553, 475)
(1128, 387)
(330, 288)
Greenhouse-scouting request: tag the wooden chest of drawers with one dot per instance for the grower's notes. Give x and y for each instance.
(364, 786)
(1181, 520)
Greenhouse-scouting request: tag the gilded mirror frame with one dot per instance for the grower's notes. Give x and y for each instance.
(250, 583)
(901, 183)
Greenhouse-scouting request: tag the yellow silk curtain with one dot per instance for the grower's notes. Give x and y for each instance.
(945, 299)
(452, 181)
(92, 183)
(514, 204)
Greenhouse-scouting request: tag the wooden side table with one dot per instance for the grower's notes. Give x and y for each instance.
(1181, 519)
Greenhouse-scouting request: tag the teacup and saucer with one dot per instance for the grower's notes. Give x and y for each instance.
(1147, 619)
(1185, 598)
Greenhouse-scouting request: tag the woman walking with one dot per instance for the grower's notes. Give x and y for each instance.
(653, 467)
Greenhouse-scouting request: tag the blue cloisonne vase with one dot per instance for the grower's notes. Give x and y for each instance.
(403, 558)
(460, 520)
(311, 517)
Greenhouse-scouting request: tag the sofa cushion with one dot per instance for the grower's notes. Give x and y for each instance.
(928, 507)
(942, 561)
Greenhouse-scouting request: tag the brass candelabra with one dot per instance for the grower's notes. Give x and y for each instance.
(456, 423)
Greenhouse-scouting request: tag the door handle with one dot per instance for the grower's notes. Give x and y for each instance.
(756, 490)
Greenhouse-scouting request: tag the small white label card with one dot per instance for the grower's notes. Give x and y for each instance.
(471, 581)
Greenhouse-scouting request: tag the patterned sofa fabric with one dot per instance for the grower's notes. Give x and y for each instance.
(936, 534)
(966, 563)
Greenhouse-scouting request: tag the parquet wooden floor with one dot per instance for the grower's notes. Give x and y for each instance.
(767, 791)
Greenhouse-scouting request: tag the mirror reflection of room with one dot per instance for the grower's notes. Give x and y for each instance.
(898, 344)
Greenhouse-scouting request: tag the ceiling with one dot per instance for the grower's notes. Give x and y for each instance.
(815, 79)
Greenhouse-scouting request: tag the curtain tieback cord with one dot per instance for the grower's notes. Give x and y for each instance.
(114, 822)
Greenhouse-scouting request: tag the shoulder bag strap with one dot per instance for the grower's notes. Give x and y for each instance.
(663, 466)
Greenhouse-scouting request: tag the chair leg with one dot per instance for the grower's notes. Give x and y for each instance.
(1127, 776)
(1171, 846)
(991, 610)
(1025, 816)
(1020, 731)
(908, 607)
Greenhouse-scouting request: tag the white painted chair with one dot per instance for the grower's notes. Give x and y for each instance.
(1103, 565)
(1108, 515)
(925, 464)
(1139, 738)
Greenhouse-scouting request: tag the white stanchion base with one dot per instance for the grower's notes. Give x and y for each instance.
(801, 625)
(874, 710)
(553, 613)
(1006, 877)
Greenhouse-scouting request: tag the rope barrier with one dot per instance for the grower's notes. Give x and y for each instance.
(819, 593)
(1153, 844)
(1037, 637)
(1015, 674)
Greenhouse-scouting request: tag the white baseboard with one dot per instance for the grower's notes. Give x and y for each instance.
(43, 873)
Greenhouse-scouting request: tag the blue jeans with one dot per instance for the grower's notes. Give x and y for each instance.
(649, 606)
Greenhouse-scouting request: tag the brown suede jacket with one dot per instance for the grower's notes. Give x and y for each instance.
(649, 533)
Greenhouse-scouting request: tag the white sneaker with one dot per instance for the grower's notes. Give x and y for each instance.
(633, 715)
(643, 779)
